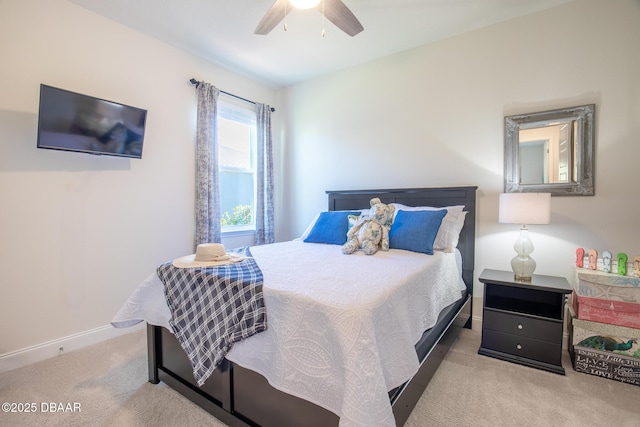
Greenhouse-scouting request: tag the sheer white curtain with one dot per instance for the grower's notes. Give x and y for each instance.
(265, 232)
(207, 175)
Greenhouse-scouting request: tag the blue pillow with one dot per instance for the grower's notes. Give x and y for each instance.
(331, 228)
(416, 230)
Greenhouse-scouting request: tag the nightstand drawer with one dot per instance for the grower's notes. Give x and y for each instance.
(542, 351)
(524, 326)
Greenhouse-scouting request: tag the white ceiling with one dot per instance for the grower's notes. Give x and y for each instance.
(221, 31)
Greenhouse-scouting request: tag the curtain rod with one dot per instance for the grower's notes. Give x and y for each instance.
(196, 83)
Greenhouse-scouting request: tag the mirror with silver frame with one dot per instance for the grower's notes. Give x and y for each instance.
(550, 152)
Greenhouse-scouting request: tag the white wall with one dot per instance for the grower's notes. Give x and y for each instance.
(433, 116)
(80, 232)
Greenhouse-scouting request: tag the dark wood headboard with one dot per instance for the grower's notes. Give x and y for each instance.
(436, 197)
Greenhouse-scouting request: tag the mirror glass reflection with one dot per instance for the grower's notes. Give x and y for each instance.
(547, 153)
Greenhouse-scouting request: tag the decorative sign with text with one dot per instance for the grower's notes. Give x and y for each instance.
(607, 365)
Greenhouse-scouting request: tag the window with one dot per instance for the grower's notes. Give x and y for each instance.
(237, 163)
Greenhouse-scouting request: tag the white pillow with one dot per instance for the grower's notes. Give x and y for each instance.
(451, 210)
(449, 231)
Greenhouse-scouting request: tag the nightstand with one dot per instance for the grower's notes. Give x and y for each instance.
(522, 322)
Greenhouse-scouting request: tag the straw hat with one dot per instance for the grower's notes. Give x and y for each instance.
(208, 255)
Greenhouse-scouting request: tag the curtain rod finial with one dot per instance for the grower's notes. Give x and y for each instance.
(194, 82)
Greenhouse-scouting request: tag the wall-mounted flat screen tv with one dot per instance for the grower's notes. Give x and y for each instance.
(74, 122)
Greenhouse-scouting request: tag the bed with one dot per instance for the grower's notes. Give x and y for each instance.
(240, 396)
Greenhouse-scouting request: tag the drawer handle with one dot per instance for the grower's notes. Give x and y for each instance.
(519, 347)
(519, 325)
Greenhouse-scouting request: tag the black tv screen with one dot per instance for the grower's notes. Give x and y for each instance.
(74, 122)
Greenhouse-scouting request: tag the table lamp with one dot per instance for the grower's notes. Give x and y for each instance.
(524, 208)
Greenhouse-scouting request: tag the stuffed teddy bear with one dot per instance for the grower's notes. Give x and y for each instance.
(370, 232)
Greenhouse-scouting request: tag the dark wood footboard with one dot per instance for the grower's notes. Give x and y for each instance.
(241, 397)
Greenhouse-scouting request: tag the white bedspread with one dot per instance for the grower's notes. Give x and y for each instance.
(341, 332)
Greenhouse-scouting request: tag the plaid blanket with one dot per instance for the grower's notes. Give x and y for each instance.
(213, 307)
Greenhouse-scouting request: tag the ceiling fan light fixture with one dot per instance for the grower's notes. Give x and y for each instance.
(334, 11)
(304, 4)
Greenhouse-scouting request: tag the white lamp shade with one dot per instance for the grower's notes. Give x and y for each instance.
(525, 208)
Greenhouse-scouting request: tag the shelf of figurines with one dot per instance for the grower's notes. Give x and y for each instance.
(606, 263)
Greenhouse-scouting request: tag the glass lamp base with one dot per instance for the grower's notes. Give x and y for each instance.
(523, 268)
(522, 264)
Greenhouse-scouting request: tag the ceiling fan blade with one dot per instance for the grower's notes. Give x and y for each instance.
(274, 15)
(338, 13)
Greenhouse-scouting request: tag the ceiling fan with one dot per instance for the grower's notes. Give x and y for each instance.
(334, 10)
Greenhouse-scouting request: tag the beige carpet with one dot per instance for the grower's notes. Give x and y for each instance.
(108, 382)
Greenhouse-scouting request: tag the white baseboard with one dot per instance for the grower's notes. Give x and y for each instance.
(476, 323)
(39, 352)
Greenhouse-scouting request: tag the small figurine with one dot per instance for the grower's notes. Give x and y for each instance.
(593, 259)
(622, 264)
(579, 257)
(636, 266)
(606, 261)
